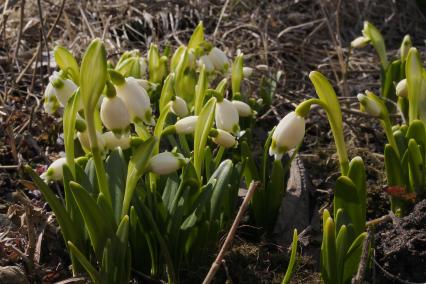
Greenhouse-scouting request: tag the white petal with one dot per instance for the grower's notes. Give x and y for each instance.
(226, 116)
(186, 125)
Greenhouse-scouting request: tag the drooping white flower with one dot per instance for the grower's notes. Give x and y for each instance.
(112, 141)
(64, 88)
(179, 107)
(360, 42)
(287, 135)
(219, 59)
(186, 125)
(166, 163)
(401, 88)
(223, 138)
(243, 109)
(51, 103)
(114, 115)
(208, 64)
(137, 101)
(84, 139)
(370, 106)
(55, 171)
(226, 116)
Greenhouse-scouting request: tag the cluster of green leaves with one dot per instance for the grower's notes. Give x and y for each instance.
(119, 216)
(405, 151)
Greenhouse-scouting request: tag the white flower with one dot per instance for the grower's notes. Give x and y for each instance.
(371, 107)
(114, 115)
(84, 139)
(51, 103)
(112, 141)
(224, 139)
(219, 59)
(137, 101)
(208, 64)
(64, 88)
(166, 163)
(55, 171)
(186, 125)
(360, 42)
(226, 116)
(243, 109)
(179, 107)
(287, 135)
(401, 88)
(247, 72)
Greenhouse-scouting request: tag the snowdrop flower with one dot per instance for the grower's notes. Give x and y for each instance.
(370, 106)
(223, 138)
(137, 100)
(55, 171)
(243, 109)
(84, 139)
(287, 135)
(219, 59)
(360, 42)
(226, 116)
(112, 141)
(186, 125)
(208, 64)
(179, 107)
(401, 88)
(51, 103)
(114, 115)
(64, 88)
(166, 163)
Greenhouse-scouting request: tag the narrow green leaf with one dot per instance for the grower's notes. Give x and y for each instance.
(69, 118)
(329, 264)
(167, 91)
(290, 267)
(197, 36)
(200, 91)
(202, 130)
(377, 41)
(67, 63)
(413, 70)
(116, 168)
(93, 273)
(220, 187)
(353, 257)
(342, 245)
(357, 175)
(237, 76)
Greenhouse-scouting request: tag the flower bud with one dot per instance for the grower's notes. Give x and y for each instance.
(247, 72)
(405, 47)
(360, 42)
(243, 109)
(51, 103)
(219, 59)
(64, 88)
(137, 100)
(55, 171)
(401, 88)
(287, 135)
(179, 107)
(206, 61)
(223, 138)
(84, 139)
(166, 163)
(186, 125)
(114, 115)
(112, 141)
(369, 105)
(226, 116)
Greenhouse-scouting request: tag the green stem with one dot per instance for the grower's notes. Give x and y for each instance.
(389, 135)
(303, 110)
(97, 157)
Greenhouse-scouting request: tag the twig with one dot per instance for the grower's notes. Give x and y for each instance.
(21, 26)
(359, 277)
(222, 12)
(218, 261)
(379, 220)
(394, 277)
(43, 35)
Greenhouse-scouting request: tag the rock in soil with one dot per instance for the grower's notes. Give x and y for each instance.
(401, 246)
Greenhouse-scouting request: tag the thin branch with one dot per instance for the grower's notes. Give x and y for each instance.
(363, 263)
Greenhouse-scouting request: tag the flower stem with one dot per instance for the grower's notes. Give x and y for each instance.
(388, 131)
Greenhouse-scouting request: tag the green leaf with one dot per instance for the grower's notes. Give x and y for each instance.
(99, 230)
(197, 36)
(353, 257)
(290, 267)
(237, 76)
(200, 91)
(326, 94)
(136, 168)
(67, 63)
(273, 195)
(167, 92)
(250, 170)
(180, 72)
(69, 118)
(176, 58)
(328, 253)
(93, 74)
(63, 218)
(202, 130)
(221, 186)
(342, 245)
(413, 70)
(93, 273)
(377, 41)
(392, 75)
(357, 175)
(416, 131)
(401, 141)
(116, 167)
(415, 161)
